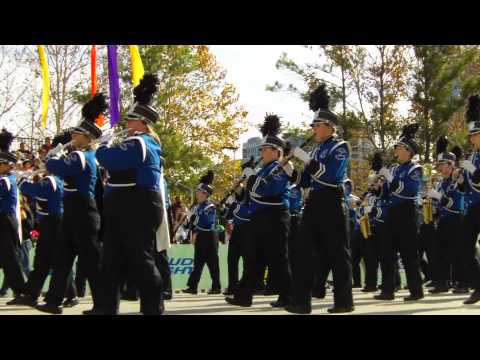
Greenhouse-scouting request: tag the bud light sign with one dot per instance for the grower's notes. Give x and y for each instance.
(181, 265)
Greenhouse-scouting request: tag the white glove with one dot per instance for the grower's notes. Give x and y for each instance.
(247, 172)
(302, 155)
(467, 165)
(386, 174)
(288, 168)
(434, 194)
(368, 209)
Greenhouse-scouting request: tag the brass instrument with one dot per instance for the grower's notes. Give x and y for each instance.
(116, 137)
(365, 226)
(427, 202)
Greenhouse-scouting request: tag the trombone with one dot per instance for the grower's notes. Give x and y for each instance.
(428, 202)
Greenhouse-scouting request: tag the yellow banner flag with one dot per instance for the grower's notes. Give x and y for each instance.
(46, 84)
(137, 66)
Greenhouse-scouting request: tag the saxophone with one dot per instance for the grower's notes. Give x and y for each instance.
(427, 202)
(365, 226)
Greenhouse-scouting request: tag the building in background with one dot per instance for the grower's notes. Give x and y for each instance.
(251, 148)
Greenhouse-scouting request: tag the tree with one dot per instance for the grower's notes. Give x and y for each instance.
(199, 116)
(442, 81)
(69, 76)
(13, 83)
(386, 85)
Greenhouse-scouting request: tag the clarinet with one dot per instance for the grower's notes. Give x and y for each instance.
(237, 184)
(284, 162)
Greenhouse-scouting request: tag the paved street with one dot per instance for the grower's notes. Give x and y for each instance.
(203, 304)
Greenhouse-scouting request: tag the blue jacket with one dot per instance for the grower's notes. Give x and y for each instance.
(452, 201)
(205, 217)
(270, 191)
(333, 156)
(294, 199)
(134, 162)
(380, 207)
(48, 194)
(8, 194)
(472, 182)
(405, 185)
(78, 170)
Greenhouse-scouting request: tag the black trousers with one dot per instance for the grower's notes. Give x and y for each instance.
(80, 277)
(45, 253)
(323, 237)
(471, 230)
(401, 235)
(427, 239)
(79, 230)
(235, 252)
(129, 245)
(268, 235)
(161, 261)
(205, 252)
(448, 235)
(9, 253)
(358, 253)
(295, 220)
(372, 258)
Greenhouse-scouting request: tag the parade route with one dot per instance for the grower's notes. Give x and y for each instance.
(203, 304)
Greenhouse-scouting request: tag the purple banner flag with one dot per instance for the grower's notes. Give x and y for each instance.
(114, 84)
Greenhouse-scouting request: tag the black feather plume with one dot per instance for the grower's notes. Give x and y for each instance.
(63, 138)
(146, 89)
(208, 178)
(410, 130)
(271, 125)
(442, 144)
(473, 110)
(457, 150)
(377, 161)
(319, 98)
(249, 164)
(94, 107)
(6, 139)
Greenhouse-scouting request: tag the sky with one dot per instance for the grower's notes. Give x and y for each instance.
(250, 68)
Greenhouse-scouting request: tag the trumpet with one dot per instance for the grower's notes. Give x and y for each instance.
(116, 137)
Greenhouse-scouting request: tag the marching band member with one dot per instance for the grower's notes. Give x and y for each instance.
(133, 205)
(239, 213)
(402, 187)
(204, 238)
(324, 222)
(9, 227)
(81, 220)
(269, 221)
(48, 193)
(449, 228)
(468, 179)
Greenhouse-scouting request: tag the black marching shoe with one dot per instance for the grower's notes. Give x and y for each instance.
(269, 292)
(474, 298)
(50, 309)
(384, 296)
(460, 290)
(356, 286)
(319, 294)
(439, 290)
(279, 303)
(167, 296)
(228, 292)
(25, 300)
(190, 291)
(238, 302)
(340, 310)
(298, 309)
(413, 297)
(368, 289)
(68, 303)
(93, 311)
(129, 297)
(214, 291)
